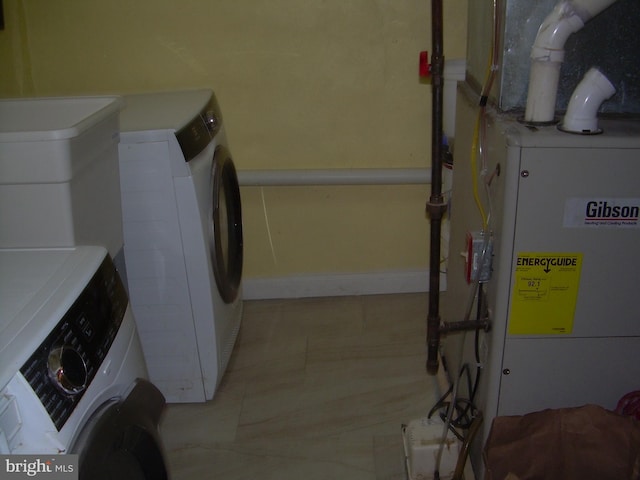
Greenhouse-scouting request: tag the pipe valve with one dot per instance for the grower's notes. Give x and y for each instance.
(424, 65)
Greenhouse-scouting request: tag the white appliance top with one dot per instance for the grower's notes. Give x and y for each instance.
(162, 110)
(37, 287)
(55, 118)
(616, 133)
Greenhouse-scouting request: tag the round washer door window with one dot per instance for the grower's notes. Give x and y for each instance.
(121, 440)
(227, 246)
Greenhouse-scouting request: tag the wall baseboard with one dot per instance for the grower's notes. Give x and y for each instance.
(339, 284)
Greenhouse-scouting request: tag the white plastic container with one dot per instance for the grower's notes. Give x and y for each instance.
(59, 181)
(421, 439)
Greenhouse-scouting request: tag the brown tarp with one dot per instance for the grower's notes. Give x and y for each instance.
(580, 443)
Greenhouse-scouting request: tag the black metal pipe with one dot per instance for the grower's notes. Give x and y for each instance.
(436, 205)
(462, 325)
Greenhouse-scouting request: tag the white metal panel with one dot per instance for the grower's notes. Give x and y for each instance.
(610, 276)
(567, 372)
(158, 277)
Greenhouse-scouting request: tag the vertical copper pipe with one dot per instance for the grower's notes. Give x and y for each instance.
(436, 205)
(458, 474)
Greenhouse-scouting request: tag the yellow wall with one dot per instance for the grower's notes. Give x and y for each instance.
(323, 84)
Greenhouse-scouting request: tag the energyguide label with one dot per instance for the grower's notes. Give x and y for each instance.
(545, 291)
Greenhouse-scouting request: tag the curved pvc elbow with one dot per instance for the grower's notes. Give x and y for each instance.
(547, 54)
(555, 30)
(582, 113)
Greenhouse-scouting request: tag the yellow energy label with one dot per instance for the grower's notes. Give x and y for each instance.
(545, 292)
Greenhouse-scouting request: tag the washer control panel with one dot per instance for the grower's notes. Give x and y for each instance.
(63, 366)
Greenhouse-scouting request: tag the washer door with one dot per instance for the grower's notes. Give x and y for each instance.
(121, 441)
(227, 247)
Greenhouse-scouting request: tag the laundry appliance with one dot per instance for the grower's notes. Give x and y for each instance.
(72, 372)
(182, 224)
(59, 184)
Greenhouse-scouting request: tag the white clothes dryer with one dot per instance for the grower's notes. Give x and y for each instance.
(72, 373)
(182, 224)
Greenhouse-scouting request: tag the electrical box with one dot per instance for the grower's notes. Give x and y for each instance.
(479, 257)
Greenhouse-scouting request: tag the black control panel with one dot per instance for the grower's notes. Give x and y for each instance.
(66, 362)
(197, 134)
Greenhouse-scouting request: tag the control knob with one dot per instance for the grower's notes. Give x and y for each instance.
(67, 369)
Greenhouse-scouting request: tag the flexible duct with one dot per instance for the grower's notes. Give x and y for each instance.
(547, 54)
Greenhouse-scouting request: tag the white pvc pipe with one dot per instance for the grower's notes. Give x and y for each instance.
(547, 54)
(582, 113)
(338, 176)
(454, 72)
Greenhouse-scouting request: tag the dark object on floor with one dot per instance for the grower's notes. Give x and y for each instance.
(630, 405)
(564, 444)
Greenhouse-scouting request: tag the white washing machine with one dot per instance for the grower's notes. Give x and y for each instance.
(72, 373)
(182, 224)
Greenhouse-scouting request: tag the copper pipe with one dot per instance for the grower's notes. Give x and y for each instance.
(458, 474)
(436, 205)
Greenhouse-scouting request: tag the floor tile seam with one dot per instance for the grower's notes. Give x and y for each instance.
(306, 357)
(324, 414)
(242, 408)
(312, 386)
(241, 449)
(303, 434)
(275, 359)
(363, 353)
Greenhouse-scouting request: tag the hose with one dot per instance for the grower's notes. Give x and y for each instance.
(458, 474)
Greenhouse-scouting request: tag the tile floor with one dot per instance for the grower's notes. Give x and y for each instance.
(316, 389)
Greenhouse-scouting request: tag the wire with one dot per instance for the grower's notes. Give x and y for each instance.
(266, 222)
(465, 409)
(474, 167)
(479, 132)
